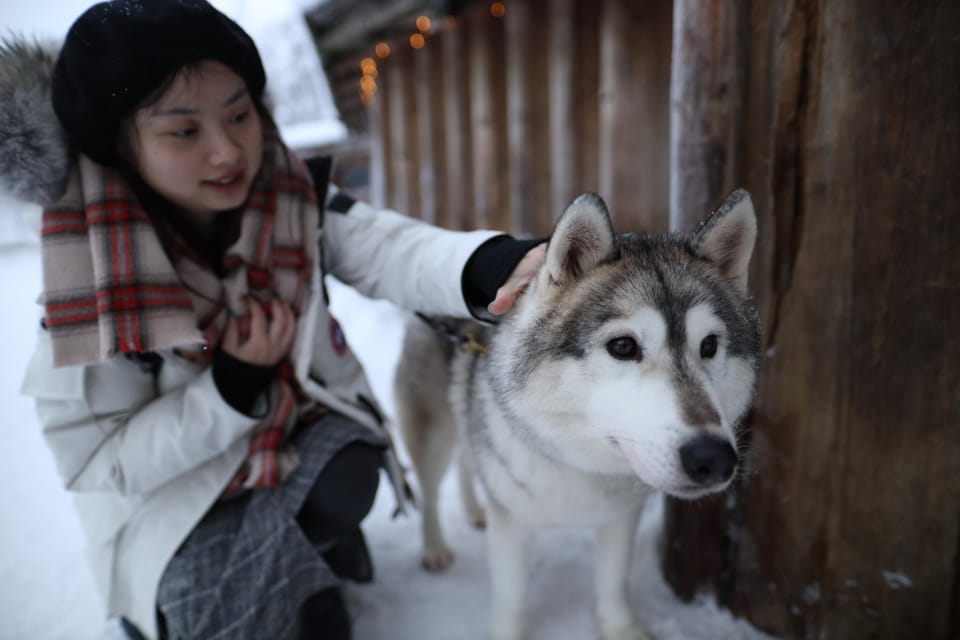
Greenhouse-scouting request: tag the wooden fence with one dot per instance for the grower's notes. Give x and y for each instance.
(501, 122)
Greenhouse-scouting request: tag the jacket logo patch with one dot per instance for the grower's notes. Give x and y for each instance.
(337, 339)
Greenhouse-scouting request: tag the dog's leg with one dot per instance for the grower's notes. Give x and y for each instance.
(507, 544)
(430, 439)
(467, 492)
(614, 550)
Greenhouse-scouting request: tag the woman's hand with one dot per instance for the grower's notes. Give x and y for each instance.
(526, 269)
(269, 342)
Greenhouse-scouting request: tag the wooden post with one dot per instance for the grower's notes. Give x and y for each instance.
(705, 125)
(458, 203)
(587, 100)
(432, 182)
(378, 120)
(563, 107)
(634, 112)
(405, 196)
(706, 97)
(527, 128)
(488, 118)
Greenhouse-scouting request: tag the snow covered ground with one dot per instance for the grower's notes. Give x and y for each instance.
(47, 593)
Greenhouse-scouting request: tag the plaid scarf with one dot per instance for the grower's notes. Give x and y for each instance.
(110, 287)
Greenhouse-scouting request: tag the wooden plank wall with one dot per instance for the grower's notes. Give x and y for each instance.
(849, 526)
(501, 122)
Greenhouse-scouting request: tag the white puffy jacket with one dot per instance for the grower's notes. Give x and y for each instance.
(147, 453)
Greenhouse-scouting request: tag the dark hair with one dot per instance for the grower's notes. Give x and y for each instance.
(120, 53)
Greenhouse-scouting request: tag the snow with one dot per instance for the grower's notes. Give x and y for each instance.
(897, 579)
(48, 594)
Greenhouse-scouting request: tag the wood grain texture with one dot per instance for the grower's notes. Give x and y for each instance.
(457, 141)
(404, 139)
(488, 129)
(528, 119)
(635, 44)
(848, 526)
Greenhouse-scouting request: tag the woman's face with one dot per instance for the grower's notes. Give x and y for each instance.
(200, 145)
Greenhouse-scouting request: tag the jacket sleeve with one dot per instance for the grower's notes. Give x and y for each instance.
(384, 254)
(109, 431)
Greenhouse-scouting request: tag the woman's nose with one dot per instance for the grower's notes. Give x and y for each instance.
(224, 148)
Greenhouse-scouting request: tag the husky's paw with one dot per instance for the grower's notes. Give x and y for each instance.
(478, 518)
(436, 559)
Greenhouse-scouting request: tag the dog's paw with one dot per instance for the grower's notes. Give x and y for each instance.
(478, 518)
(437, 559)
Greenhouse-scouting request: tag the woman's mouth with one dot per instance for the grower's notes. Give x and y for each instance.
(226, 182)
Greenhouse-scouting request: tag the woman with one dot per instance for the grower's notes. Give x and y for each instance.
(197, 396)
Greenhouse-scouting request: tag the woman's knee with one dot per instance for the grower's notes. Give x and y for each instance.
(343, 493)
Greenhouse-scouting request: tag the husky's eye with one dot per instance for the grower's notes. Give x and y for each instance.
(708, 348)
(624, 348)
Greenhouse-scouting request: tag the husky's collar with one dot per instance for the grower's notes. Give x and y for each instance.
(466, 341)
(471, 345)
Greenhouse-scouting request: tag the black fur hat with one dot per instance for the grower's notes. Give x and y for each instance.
(117, 53)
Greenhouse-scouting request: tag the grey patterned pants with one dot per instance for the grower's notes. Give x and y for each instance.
(247, 567)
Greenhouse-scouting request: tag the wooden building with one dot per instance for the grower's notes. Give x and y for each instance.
(842, 118)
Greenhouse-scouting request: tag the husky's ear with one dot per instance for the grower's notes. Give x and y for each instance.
(727, 236)
(582, 238)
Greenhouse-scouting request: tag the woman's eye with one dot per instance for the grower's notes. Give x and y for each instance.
(184, 133)
(624, 348)
(240, 117)
(708, 348)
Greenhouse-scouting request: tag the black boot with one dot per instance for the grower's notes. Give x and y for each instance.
(324, 616)
(349, 557)
(339, 500)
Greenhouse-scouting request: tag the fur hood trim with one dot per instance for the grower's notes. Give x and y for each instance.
(34, 153)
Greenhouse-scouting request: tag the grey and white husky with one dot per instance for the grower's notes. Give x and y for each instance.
(624, 368)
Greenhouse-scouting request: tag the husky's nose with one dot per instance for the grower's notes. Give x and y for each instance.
(708, 460)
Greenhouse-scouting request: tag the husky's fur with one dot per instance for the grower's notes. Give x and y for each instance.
(624, 368)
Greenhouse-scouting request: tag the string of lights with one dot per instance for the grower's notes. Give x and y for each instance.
(417, 40)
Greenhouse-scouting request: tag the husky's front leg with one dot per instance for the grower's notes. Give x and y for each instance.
(507, 544)
(614, 550)
(467, 493)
